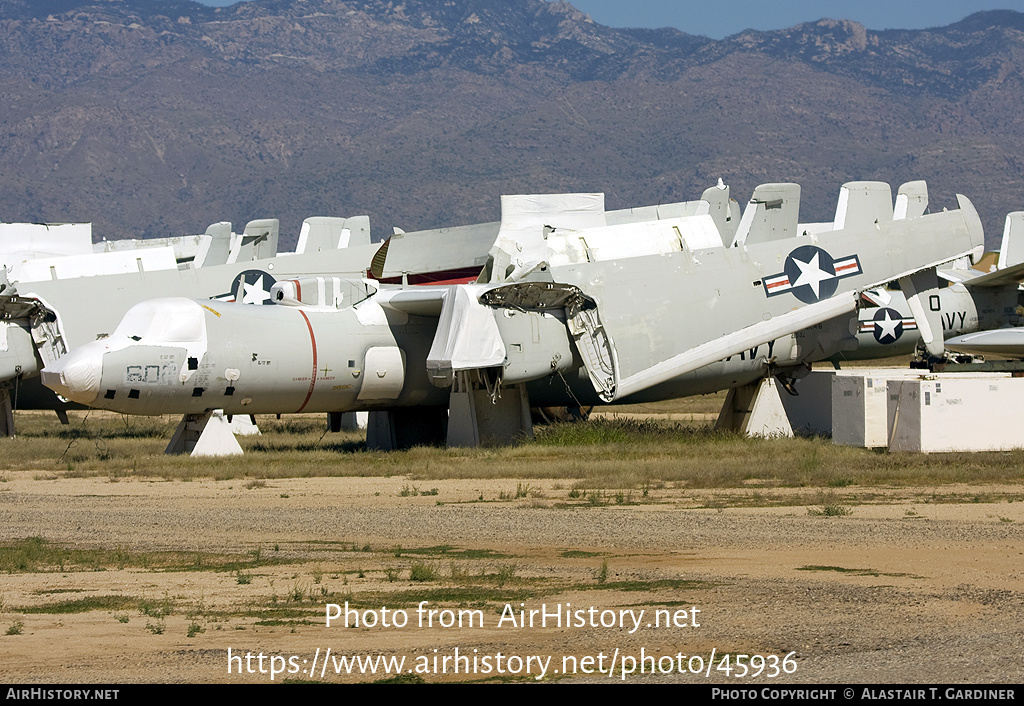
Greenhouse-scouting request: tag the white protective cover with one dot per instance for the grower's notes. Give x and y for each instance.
(25, 241)
(171, 321)
(467, 336)
(615, 242)
(43, 269)
(520, 242)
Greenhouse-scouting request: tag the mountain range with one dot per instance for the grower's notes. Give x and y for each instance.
(153, 118)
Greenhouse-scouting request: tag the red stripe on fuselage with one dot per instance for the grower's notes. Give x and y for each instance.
(312, 380)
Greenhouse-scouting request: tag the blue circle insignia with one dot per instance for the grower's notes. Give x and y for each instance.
(812, 274)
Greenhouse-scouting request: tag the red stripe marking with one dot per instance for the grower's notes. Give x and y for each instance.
(461, 275)
(298, 290)
(845, 267)
(312, 380)
(457, 280)
(780, 283)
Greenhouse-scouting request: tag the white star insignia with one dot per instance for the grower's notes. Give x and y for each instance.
(811, 274)
(255, 293)
(887, 327)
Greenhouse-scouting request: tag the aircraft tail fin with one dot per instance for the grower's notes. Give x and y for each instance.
(721, 210)
(379, 258)
(262, 236)
(215, 246)
(1011, 252)
(772, 214)
(863, 203)
(911, 200)
(974, 228)
(320, 233)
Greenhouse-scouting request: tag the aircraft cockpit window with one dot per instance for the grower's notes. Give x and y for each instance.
(182, 327)
(162, 321)
(135, 325)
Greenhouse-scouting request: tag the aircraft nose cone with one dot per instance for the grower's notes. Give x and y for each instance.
(76, 376)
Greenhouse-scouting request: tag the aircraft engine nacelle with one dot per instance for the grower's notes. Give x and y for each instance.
(332, 292)
(536, 345)
(17, 354)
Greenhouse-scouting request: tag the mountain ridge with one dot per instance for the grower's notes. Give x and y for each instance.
(154, 118)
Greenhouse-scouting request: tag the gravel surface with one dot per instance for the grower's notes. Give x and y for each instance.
(900, 591)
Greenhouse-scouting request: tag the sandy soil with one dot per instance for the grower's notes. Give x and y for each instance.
(906, 590)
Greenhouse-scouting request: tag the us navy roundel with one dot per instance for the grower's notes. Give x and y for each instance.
(887, 325)
(811, 274)
(252, 287)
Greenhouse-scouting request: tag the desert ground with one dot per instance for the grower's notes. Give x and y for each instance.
(122, 566)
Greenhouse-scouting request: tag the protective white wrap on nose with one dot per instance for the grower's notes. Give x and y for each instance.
(76, 376)
(170, 322)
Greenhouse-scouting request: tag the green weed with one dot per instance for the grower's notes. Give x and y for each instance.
(830, 511)
(420, 571)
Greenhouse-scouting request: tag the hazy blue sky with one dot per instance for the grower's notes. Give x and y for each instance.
(720, 19)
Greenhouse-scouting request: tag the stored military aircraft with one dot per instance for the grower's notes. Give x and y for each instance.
(968, 307)
(41, 320)
(44, 319)
(569, 310)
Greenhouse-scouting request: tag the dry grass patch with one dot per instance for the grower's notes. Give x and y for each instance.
(613, 455)
(38, 555)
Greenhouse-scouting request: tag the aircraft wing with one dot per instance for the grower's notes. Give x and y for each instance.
(657, 317)
(1005, 277)
(736, 342)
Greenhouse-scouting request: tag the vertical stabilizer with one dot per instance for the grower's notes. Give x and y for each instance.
(321, 233)
(263, 234)
(772, 214)
(215, 245)
(863, 203)
(720, 208)
(1011, 252)
(911, 200)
